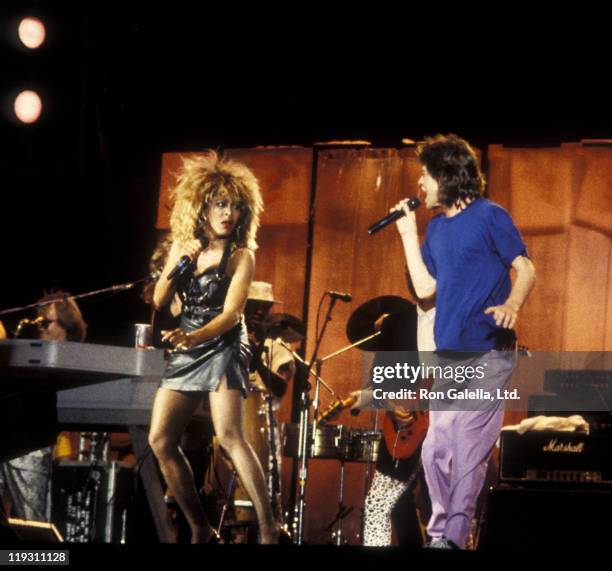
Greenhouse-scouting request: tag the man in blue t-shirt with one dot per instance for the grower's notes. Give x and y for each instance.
(464, 263)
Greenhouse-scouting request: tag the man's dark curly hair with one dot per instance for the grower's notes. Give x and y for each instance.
(453, 163)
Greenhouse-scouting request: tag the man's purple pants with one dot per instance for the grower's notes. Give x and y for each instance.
(458, 447)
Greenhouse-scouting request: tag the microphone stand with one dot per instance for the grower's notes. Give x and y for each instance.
(306, 441)
(111, 289)
(303, 442)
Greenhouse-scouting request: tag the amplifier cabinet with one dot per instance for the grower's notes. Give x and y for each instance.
(550, 521)
(558, 458)
(90, 502)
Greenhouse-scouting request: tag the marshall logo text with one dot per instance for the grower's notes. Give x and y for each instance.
(555, 446)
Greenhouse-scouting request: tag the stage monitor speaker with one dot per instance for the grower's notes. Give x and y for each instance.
(7, 533)
(35, 531)
(521, 518)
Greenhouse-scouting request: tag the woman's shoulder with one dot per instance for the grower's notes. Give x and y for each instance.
(241, 253)
(240, 256)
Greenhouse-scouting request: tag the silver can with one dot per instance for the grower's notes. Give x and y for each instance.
(143, 335)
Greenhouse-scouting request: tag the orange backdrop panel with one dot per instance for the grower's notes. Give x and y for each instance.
(541, 186)
(587, 284)
(560, 199)
(355, 187)
(594, 204)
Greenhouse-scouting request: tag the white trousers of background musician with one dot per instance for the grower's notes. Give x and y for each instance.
(380, 501)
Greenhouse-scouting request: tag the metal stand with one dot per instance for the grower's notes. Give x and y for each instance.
(305, 440)
(111, 289)
(366, 484)
(343, 511)
(274, 488)
(229, 493)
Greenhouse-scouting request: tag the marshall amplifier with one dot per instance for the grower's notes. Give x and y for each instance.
(555, 458)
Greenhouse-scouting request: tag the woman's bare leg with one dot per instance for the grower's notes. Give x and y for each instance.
(172, 411)
(226, 410)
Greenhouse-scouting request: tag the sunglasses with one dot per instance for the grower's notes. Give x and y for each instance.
(45, 323)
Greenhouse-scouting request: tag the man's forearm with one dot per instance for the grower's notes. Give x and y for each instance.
(424, 284)
(523, 284)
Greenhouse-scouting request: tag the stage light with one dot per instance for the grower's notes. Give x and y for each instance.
(32, 32)
(28, 106)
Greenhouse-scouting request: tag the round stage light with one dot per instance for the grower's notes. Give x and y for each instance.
(32, 32)
(28, 106)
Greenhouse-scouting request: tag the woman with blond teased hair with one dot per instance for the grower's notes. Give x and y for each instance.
(214, 221)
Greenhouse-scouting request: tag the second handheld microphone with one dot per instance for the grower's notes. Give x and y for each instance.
(413, 204)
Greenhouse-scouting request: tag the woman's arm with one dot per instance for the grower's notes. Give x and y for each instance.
(243, 261)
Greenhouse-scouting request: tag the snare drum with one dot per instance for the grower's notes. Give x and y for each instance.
(331, 442)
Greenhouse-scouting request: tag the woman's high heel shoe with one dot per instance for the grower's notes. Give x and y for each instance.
(284, 536)
(214, 538)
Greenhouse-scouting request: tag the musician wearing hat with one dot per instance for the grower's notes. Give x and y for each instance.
(273, 338)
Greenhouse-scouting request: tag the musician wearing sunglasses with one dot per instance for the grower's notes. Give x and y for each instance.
(27, 479)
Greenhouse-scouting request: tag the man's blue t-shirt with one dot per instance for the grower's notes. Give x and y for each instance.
(470, 255)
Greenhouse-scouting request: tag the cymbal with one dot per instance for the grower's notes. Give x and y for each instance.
(361, 323)
(284, 325)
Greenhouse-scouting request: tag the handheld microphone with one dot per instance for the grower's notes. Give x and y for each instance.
(181, 267)
(340, 295)
(413, 204)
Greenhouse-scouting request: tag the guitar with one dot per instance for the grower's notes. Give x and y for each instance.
(401, 441)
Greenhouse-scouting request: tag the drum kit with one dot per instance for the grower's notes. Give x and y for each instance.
(313, 437)
(335, 442)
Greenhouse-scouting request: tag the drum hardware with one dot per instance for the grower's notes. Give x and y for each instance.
(335, 408)
(231, 486)
(330, 442)
(274, 489)
(364, 322)
(343, 511)
(308, 431)
(305, 444)
(299, 359)
(364, 445)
